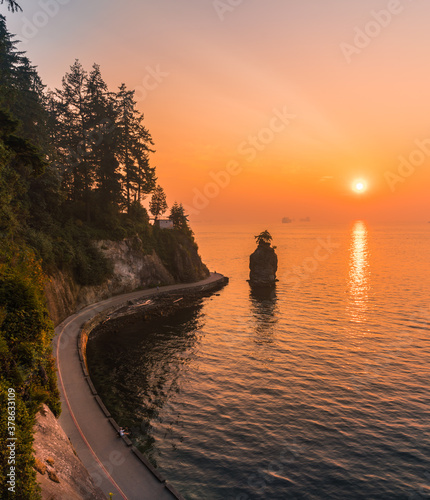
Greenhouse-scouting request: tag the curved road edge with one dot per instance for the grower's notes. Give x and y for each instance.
(114, 464)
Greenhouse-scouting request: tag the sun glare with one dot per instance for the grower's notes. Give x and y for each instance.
(359, 186)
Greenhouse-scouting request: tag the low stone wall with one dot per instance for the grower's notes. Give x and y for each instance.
(132, 309)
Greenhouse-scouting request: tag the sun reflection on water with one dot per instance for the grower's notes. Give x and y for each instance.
(358, 278)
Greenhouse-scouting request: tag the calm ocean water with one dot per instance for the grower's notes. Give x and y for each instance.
(319, 390)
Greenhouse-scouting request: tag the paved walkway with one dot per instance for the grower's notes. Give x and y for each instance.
(113, 465)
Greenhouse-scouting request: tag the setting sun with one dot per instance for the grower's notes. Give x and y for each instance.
(359, 186)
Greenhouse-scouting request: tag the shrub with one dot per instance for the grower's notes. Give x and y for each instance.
(26, 362)
(91, 267)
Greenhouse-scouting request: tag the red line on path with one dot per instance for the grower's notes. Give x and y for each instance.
(111, 479)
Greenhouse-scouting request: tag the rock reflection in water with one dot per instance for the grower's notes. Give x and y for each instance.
(264, 310)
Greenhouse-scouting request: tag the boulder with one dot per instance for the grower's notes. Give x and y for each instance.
(263, 264)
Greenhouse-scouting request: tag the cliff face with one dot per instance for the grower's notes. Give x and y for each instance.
(263, 264)
(186, 265)
(132, 269)
(59, 471)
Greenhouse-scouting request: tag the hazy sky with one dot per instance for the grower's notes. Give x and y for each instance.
(262, 109)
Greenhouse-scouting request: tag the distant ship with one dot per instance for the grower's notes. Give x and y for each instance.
(306, 219)
(286, 220)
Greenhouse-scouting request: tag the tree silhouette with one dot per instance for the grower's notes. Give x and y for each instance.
(180, 219)
(134, 146)
(100, 142)
(158, 204)
(101, 117)
(263, 237)
(12, 5)
(21, 131)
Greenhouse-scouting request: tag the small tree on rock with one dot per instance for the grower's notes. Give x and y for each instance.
(263, 237)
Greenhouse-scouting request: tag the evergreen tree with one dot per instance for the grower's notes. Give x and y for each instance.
(9, 59)
(143, 177)
(179, 219)
(101, 145)
(26, 362)
(72, 118)
(133, 148)
(21, 127)
(21, 90)
(103, 140)
(158, 203)
(12, 5)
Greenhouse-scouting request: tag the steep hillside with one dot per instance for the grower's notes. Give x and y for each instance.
(133, 268)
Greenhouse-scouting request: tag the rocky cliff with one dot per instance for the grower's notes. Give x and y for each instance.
(132, 269)
(60, 473)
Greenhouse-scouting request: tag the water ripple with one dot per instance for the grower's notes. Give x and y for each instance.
(315, 392)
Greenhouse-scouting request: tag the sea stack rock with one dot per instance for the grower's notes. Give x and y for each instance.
(263, 263)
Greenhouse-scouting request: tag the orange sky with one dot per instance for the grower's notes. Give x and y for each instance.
(266, 109)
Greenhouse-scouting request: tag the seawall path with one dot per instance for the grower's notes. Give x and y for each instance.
(115, 465)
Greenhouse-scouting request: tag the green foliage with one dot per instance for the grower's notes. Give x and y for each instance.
(91, 267)
(19, 160)
(138, 213)
(72, 249)
(7, 180)
(21, 131)
(26, 331)
(26, 485)
(26, 362)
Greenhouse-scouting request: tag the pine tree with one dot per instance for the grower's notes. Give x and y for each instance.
(179, 219)
(12, 5)
(9, 59)
(143, 177)
(158, 203)
(133, 148)
(101, 145)
(20, 131)
(72, 114)
(103, 140)
(21, 89)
